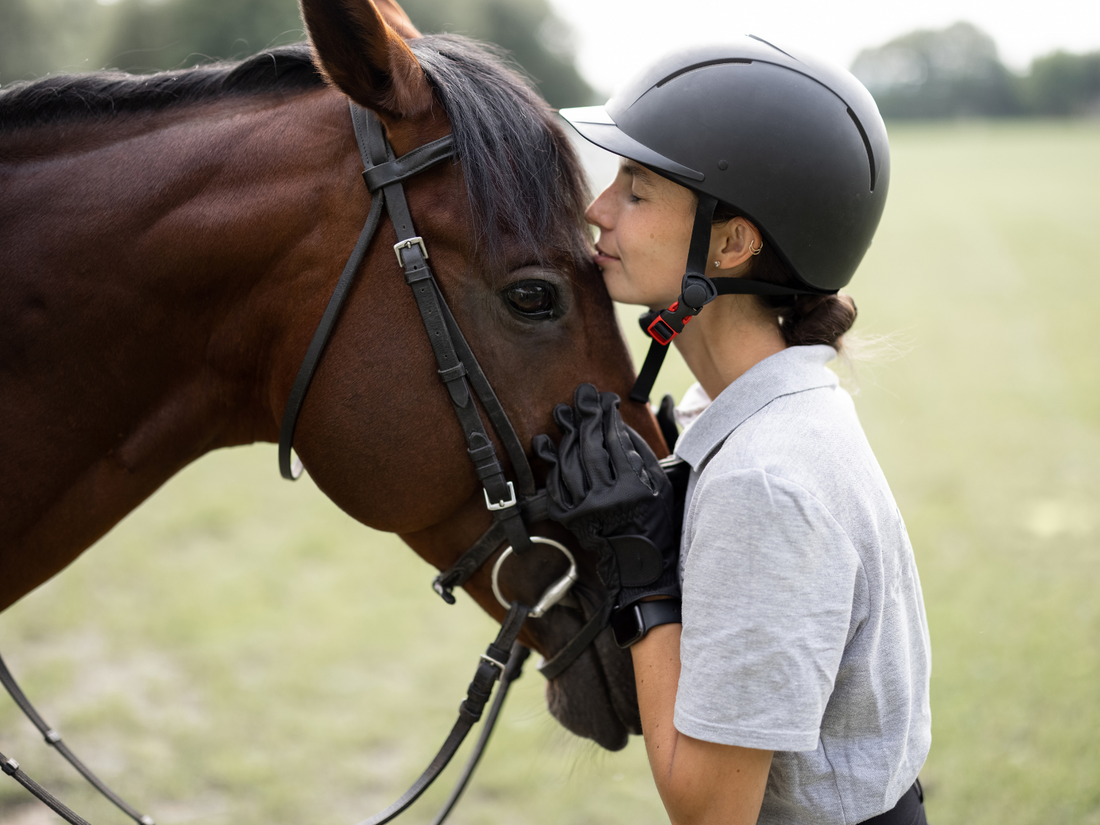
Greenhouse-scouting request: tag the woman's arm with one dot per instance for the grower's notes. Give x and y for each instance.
(699, 782)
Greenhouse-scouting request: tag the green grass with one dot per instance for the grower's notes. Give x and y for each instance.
(239, 651)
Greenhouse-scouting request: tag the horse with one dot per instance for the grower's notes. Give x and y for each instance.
(168, 243)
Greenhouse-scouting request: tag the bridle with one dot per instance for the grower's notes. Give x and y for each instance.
(514, 504)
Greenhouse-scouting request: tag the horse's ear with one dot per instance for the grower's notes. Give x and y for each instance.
(396, 17)
(364, 57)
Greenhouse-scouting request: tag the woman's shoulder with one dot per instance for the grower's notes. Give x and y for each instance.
(811, 440)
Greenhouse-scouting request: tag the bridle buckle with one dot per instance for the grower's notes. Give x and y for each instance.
(504, 504)
(409, 244)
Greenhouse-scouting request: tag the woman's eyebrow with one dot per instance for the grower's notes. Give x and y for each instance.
(638, 171)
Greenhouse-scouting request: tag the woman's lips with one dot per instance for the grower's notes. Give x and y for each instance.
(602, 258)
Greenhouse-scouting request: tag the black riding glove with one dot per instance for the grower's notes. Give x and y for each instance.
(607, 487)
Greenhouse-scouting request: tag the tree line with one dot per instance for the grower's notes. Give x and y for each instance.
(956, 72)
(39, 37)
(947, 73)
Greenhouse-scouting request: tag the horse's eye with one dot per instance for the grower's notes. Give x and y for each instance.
(531, 299)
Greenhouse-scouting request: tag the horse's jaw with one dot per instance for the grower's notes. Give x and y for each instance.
(595, 697)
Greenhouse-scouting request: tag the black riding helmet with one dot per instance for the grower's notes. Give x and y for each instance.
(796, 146)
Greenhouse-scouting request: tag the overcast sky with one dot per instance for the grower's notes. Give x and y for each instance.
(616, 37)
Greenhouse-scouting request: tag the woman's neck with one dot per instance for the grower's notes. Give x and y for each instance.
(730, 336)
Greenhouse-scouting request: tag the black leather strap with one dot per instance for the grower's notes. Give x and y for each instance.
(534, 510)
(512, 672)
(12, 769)
(490, 667)
(556, 664)
(313, 354)
(53, 739)
(410, 164)
(392, 172)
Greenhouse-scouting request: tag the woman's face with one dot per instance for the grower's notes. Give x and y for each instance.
(645, 225)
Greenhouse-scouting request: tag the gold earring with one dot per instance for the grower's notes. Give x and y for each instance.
(757, 250)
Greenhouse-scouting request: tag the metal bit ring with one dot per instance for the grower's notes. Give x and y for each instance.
(554, 593)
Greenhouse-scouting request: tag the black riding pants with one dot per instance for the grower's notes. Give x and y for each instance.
(908, 811)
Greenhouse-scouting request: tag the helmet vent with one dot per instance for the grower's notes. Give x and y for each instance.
(766, 43)
(687, 69)
(867, 145)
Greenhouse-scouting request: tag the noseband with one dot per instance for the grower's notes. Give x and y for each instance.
(513, 504)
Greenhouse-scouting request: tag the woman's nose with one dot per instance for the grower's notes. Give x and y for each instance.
(597, 213)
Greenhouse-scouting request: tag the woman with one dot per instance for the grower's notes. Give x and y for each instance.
(796, 688)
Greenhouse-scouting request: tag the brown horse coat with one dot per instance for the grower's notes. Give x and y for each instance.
(163, 266)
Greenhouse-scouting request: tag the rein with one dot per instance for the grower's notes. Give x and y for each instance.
(513, 504)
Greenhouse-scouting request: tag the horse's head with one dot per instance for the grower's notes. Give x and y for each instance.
(504, 229)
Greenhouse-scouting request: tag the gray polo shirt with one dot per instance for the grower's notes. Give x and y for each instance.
(804, 628)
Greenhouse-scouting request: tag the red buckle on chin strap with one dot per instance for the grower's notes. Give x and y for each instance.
(662, 331)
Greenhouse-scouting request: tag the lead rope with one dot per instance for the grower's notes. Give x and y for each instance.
(53, 739)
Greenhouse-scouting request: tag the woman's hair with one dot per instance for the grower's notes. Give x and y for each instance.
(803, 319)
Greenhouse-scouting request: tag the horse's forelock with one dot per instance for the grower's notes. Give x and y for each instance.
(522, 174)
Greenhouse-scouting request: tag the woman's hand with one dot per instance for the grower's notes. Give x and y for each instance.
(608, 488)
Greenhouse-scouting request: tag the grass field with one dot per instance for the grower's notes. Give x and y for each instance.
(239, 651)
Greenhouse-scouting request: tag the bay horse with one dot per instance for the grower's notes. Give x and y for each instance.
(169, 242)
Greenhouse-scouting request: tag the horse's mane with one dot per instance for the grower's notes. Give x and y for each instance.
(521, 172)
(94, 95)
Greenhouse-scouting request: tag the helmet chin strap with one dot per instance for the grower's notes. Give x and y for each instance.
(696, 291)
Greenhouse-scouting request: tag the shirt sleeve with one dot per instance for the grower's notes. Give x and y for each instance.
(768, 589)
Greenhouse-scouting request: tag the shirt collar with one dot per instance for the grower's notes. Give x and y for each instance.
(792, 370)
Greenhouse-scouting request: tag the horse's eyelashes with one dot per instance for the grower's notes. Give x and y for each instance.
(531, 298)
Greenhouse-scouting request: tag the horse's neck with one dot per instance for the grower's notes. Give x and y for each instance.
(150, 285)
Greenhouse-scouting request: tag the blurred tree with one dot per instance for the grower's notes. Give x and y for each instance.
(953, 72)
(38, 36)
(539, 41)
(165, 34)
(1061, 83)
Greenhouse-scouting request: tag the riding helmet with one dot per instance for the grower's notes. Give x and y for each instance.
(795, 145)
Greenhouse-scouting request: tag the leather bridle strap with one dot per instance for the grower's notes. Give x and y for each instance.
(292, 470)
(410, 164)
(53, 739)
(512, 672)
(458, 367)
(493, 664)
(534, 509)
(12, 769)
(554, 666)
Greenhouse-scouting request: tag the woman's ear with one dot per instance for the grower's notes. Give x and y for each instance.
(359, 53)
(733, 243)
